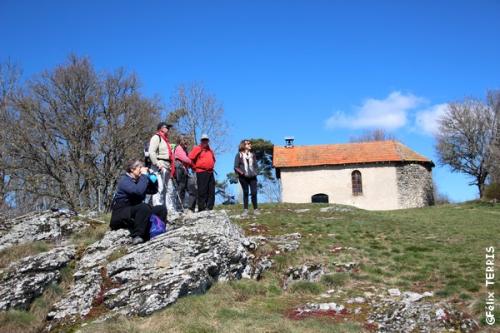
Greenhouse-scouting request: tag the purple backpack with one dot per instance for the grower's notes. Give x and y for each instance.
(158, 227)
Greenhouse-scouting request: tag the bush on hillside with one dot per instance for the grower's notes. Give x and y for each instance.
(492, 192)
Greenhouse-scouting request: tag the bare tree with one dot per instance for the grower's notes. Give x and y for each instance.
(271, 189)
(195, 111)
(466, 133)
(494, 103)
(9, 76)
(72, 130)
(373, 135)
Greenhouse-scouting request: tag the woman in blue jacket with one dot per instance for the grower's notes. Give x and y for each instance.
(128, 208)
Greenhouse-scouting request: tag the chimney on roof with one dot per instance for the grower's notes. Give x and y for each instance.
(289, 141)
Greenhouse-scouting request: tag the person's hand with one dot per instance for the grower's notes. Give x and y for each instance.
(161, 167)
(144, 170)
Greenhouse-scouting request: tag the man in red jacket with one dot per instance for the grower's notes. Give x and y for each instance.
(203, 159)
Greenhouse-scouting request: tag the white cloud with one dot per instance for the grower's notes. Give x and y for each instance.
(426, 120)
(389, 113)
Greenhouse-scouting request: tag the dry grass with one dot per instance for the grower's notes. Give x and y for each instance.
(33, 320)
(90, 235)
(20, 251)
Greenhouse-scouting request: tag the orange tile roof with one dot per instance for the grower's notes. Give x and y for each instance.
(345, 153)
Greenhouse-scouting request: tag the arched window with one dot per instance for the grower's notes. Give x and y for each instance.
(319, 198)
(357, 185)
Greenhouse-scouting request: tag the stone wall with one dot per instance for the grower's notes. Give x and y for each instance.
(415, 187)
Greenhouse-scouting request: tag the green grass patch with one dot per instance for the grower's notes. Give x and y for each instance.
(17, 252)
(16, 321)
(335, 279)
(305, 287)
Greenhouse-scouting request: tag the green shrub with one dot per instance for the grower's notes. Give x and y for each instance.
(274, 290)
(305, 287)
(492, 192)
(335, 280)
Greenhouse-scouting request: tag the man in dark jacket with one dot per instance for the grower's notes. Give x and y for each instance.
(203, 159)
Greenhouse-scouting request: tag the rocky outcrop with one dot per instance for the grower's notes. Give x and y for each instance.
(47, 225)
(258, 264)
(410, 313)
(141, 279)
(288, 242)
(256, 267)
(392, 311)
(26, 279)
(284, 243)
(310, 272)
(336, 208)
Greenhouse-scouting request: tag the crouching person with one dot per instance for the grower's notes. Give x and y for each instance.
(128, 209)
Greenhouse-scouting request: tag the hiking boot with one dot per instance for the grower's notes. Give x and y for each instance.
(245, 213)
(256, 212)
(137, 240)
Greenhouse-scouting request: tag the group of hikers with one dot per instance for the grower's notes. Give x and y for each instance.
(143, 189)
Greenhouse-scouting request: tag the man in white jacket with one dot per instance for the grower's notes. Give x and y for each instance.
(162, 163)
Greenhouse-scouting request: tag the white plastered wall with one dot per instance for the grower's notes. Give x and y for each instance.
(379, 181)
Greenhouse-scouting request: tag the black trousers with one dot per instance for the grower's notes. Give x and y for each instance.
(181, 178)
(206, 190)
(192, 191)
(136, 218)
(247, 182)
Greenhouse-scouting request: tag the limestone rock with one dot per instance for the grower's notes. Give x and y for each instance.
(335, 208)
(288, 242)
(97, 253)
(394, 292)
(358, 300)
(256, 267)
(343, 267)
(204, 247)
(47, 225)
(410, 296)
(308, 272)
(319, 307)
(26, 279)
(407, 312)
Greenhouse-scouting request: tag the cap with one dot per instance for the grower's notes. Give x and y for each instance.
(161, 124)
(204, 136)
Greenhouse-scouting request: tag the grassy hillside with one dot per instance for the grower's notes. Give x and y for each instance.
(439, 249)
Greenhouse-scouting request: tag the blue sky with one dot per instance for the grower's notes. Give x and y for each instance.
(321, 71)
